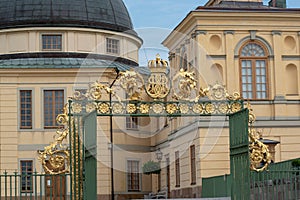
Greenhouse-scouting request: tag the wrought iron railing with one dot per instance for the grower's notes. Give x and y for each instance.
(271, 185)
(35, 186)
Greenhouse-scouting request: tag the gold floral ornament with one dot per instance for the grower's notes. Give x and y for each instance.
(197, 108)
(90, 107)
(117, 108)
(132, 83)
(55, 157)
(210, 108)
(184, 108)
(158, 85)
(235, 107)
(131, 108)
(76, 107)
(103, 108)
(144, 108)
(158, 108)
(260, 157)
(184, 86)
(223, 108)
(171, 108)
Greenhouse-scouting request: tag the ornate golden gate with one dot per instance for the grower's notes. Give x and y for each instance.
(74, 150)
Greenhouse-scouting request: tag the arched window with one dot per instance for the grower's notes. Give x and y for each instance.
(253, 70)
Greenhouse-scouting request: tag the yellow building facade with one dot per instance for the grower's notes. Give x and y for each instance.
(248, 47)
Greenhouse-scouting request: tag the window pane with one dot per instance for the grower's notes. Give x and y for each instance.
(26, 176)
(249, 79)
(258, 87)
(133, 176)
(25, 109)
(112, 46)
(52, 42)
(244, 79)
(258, 95)
(249, 88)
(53, 105)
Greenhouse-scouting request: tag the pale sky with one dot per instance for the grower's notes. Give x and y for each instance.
(153, 20)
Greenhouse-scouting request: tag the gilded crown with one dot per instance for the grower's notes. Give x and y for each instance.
(158, 65)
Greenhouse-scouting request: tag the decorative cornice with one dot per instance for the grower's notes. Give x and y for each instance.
(200, 32)
(231, 32)
(276, 32)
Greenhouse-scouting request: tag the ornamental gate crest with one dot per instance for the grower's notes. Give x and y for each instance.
(180, 97)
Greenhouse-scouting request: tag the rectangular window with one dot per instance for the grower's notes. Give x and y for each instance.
(132, 123)
(52, 42)
(133, 176)
(53, 105)
(112, 46)
(193, 164)
(26, 176)
(177, 169)
(25, 109)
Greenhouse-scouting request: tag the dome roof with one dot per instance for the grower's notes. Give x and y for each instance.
(102, 14)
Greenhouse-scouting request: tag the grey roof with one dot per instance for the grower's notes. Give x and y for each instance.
(241, 4)
(63, 63)
(102, 14)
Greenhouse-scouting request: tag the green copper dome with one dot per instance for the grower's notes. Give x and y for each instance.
(100, 14)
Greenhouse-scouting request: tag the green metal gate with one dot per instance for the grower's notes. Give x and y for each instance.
(239, 155)
(90, 156)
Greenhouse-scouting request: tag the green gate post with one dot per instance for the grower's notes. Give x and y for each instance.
(239, 155)
(90, 156)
